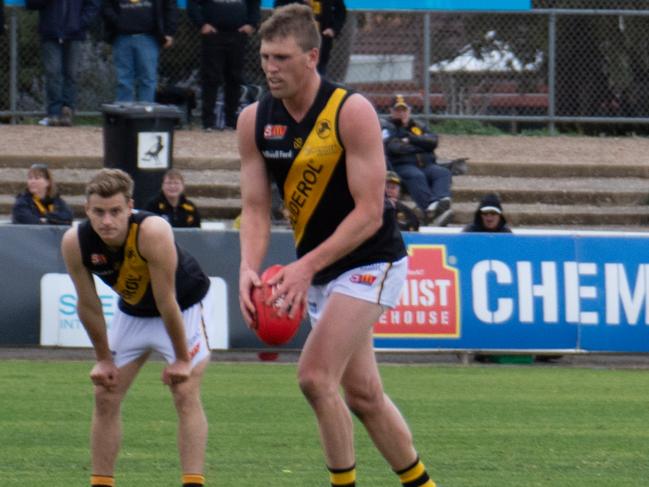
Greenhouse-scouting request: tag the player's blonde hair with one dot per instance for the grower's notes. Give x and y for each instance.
(294, 20)
(109, 182)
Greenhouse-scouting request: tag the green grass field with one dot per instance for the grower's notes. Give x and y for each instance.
(473, 426)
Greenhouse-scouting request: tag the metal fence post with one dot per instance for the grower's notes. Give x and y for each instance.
(13, 66)
(426, 65)
(552, 70)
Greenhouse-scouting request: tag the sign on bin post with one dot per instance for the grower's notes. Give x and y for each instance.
(138, 138)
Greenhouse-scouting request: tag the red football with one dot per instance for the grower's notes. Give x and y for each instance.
(271, 328)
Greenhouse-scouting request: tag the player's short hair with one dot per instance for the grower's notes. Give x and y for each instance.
(41, 170)
(294, 20)
(109, 182)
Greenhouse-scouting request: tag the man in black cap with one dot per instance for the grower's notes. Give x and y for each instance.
(410, 149)
(406, 218)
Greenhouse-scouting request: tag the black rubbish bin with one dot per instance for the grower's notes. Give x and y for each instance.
(138, 138)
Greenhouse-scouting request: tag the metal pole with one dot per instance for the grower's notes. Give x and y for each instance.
(13, 66)
(426, 62)
(552, 70)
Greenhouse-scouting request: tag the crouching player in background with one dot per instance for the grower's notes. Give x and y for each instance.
(161, 289)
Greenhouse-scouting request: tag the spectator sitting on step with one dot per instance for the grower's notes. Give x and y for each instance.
(406, 218)
(40, 203)
(172, 204)
(410, 149)
(489, 216)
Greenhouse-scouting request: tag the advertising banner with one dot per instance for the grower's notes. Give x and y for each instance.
(61, 327)
(522, 292)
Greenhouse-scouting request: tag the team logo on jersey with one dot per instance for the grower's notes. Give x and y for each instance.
(274, 132)
(324, 128)
(367, 279)
(430, 302)
(298, 142)
(98, 259)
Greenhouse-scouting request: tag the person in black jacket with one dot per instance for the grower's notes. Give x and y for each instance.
(489, 216)
(172, 204)
(137, 29)
(62, 25)
(40, 203)
(224, 26)
(331, 16)
(2, 17)
(410, 149)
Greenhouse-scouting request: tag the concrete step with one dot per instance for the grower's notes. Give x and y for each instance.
(215, 183)
(559, 190)
(224, 162)
(210, 208)
(538, 214)
(554, 170)
(609, 196)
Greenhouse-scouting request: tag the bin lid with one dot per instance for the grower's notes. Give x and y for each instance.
(142, 110)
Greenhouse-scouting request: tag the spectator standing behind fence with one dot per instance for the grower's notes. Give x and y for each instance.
(172, 204)
(406, 218)
(40, 203)
(62, 25)
(137, 29)
(224, 26)
(489, 216)
(331, 16)
(410, 149)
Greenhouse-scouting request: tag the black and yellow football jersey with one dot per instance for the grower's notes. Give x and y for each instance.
(307, 160)
(127, 272)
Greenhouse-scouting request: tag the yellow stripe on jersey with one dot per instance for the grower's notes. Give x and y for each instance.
(134, 278)
(313, 167)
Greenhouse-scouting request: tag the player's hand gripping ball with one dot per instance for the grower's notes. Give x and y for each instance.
(273, 329)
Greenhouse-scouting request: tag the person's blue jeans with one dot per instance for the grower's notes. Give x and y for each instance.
(136, 65)
(60, 65)
(425, 184)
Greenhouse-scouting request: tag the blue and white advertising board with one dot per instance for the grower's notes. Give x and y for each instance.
(522, 292)
(61, 327)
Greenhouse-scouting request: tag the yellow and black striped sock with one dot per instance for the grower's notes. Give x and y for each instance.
(343, 476)
(102, 481)
(415, 476)
(193, 480)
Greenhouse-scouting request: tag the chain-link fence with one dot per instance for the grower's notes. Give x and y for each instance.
(567, 61)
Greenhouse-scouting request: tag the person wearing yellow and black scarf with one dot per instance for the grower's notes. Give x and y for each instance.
(172, 204)
(40, 203)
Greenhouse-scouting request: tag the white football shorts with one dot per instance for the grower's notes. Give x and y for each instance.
(131, 336)
(379, 283)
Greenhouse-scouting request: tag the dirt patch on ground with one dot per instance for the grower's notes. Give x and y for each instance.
(30, 140)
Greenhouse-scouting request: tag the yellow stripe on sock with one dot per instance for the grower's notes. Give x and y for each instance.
(193, 478)
(102, 480)
(343, 478)
(412, 473)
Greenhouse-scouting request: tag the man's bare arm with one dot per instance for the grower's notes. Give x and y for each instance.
(88, 304)
(255, 215)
